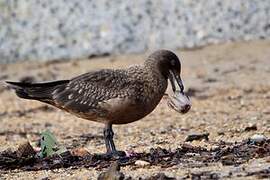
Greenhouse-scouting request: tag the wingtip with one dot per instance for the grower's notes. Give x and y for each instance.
(10, 84)
(7, 82)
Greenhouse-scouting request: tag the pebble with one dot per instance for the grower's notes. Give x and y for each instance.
(142, 163)
(81, 152)
(47, 30)
(198, 137)
(258, 138)
(113, 173)
(25, 150)
(251, 127)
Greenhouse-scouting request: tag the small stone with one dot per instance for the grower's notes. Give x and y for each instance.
(221, 133)
(25, 150)
(81, 152)
(255, 118)
(215, 147)
(228, 160)
(266, 111)
(113, 173)
(258, 138)
(193, 137)
(142, 163)
(131, 153)
(161, 176)
(251, 127)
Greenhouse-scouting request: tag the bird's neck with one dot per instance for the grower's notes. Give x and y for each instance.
(155, 83)
(154, 75)
(152, 67)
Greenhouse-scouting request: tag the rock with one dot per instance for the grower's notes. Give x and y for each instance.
(161, 176)
(25, 150)
(81, 152)
(228, 160)
(131, 153)
(251, 127)
(258, 138)
(142, 163)
(193, 137)
(113, 173)
(215, 147)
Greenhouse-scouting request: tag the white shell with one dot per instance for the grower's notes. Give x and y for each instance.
(258, 138)
(142, 163)
(178, 101)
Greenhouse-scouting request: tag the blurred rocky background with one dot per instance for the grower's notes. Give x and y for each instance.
(60, 29)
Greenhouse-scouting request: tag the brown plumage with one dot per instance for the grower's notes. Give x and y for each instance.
(111, 96)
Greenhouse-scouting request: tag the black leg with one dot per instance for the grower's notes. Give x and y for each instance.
(108, 136)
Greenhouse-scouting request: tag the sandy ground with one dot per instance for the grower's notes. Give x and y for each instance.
(230, 89)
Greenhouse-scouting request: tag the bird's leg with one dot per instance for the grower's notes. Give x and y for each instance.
(108, 136)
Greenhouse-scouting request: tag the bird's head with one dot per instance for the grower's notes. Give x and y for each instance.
(170, 67)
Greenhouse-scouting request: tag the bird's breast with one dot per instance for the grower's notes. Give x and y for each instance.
(137, 105)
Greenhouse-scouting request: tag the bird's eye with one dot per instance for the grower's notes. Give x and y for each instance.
(172, 63)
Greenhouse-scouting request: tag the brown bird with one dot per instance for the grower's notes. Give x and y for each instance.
(113, 96)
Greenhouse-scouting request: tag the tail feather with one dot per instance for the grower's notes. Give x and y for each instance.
(36, 91)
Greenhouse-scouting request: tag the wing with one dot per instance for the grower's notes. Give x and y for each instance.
(84, 93)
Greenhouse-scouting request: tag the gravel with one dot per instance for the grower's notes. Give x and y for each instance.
(242, 75)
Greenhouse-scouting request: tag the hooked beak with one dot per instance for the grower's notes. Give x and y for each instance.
(175, 79)
(178, 100)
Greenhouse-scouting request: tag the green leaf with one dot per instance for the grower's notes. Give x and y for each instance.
(49, 145)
